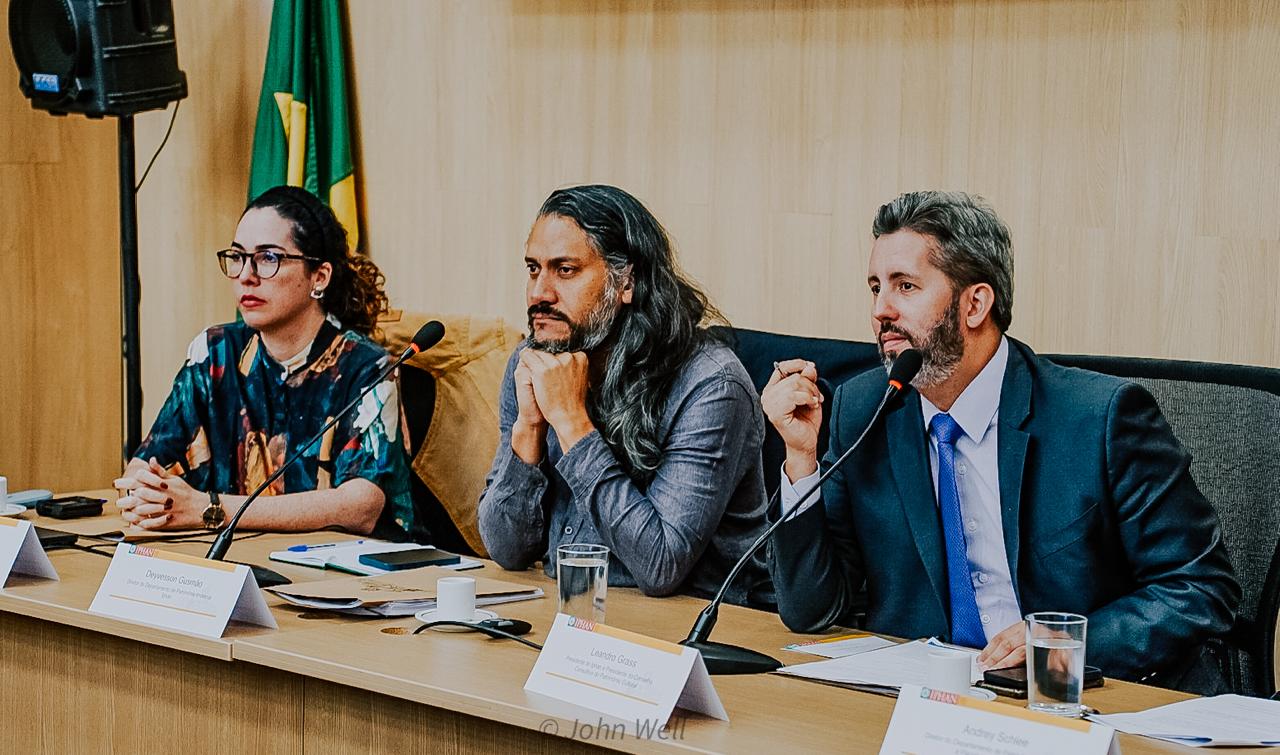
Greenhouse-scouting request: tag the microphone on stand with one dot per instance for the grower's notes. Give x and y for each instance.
(426, 337)
(721, 658)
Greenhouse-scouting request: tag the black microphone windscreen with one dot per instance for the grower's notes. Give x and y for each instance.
(905, 367)
(428, 335)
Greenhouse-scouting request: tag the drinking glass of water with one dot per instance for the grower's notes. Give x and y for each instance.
(582, 572)
(1055, 662)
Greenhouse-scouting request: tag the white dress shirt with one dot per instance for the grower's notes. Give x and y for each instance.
(977, 466)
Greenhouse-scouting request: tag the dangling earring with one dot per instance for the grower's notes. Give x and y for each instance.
(317, 293)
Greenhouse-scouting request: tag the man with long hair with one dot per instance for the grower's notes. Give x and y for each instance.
(623, 422)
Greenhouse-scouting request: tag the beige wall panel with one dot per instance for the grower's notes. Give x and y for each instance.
(190, 204)
(1241, 182)
(60, 392)
(1125, 143)
(739, 142)
(803, 268)
(26, 135)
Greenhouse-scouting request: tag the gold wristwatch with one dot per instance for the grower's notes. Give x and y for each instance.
(214, 515)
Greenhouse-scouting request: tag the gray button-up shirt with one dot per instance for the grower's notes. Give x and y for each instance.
(684, 531)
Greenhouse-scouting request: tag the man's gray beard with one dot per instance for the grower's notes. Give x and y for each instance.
(941, 349)
(589, 335)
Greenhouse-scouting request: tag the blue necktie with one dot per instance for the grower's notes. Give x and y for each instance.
(966, 627)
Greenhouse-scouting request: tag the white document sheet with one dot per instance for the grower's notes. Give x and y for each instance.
(839, 647)
(891, 667)
(1222, 721)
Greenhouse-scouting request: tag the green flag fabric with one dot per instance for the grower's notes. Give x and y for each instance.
(303, 134)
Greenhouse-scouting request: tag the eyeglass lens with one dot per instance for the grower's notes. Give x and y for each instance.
(263, 264)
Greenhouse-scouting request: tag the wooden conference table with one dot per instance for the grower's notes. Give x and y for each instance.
(71, 681)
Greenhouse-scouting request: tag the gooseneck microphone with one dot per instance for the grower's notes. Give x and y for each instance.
(731, 659)
(426, 337)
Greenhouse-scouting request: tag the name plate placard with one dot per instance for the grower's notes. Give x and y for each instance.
(181, 592)
(20, 551)
(627, 676)
(926, 720)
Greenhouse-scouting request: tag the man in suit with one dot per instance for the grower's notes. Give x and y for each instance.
(1003, 485)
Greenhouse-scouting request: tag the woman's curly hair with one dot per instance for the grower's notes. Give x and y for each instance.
(355, 294)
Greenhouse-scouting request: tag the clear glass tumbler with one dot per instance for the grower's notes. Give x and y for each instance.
(582, 573)
(1055, 662)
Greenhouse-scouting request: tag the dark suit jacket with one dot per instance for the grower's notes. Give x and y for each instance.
(1101, 518)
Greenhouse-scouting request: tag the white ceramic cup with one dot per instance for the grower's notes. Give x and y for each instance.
(455, 599)
(948, 671)
(4, 491)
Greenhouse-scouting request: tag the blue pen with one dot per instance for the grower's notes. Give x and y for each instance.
(305, 548)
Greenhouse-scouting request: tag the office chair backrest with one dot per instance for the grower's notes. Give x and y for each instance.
(450, 396)
(837, 361)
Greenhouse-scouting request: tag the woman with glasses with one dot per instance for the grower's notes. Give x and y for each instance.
(251, 393)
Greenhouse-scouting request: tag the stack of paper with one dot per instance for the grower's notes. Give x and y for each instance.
(881, 671)
(839, 647)
(401, 593)
(1223, 721)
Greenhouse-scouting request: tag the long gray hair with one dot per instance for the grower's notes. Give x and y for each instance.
(653, 336)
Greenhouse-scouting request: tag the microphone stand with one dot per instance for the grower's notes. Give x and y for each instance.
(268, 577)
(722, 658)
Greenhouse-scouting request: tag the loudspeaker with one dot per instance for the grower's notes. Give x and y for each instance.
(97, 57)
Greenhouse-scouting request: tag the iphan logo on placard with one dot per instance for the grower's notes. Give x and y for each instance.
(938, 696)
(586, 625)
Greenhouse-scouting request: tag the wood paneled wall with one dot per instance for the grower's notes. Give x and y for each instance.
(60, 381)
(191, 202)
(60, 369)
(1131, 145)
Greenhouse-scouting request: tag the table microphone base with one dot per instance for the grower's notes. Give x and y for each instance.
(266, 577)
(731, 659)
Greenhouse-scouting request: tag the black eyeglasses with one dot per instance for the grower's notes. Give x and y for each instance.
(264, 264)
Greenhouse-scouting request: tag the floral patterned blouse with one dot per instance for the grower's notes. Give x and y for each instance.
(235, 415)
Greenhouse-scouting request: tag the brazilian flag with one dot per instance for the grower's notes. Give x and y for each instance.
(303, 134)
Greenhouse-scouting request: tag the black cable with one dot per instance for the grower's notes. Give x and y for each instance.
(163, 142)
(497, 633)
(204, 538)
(85, 548)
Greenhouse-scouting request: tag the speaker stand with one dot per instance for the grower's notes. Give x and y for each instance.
(720, 658)
(266, 577)
(130, 289)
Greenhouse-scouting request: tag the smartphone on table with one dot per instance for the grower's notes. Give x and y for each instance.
(1012, 681)
(70, 507)
(410, 559)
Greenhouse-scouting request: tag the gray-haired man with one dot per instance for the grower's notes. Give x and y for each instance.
(1004, 485)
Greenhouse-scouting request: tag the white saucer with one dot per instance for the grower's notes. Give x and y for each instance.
(12, 509)
(429, 615)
